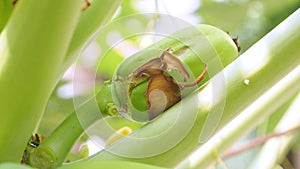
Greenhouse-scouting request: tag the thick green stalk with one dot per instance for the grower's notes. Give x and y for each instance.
(109, 164)
(58, 145)
(90, 165)
(246, 79)
(276, 149)
(33, 45)
(52, 152)
(246, 122)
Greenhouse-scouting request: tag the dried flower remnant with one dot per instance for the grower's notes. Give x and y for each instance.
(14, 2)
(34, 141)
(162, 90)
(235, 40)
(85, 5)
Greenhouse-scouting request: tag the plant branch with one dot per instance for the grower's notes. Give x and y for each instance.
(245, 122)
(257, 141)
(31, 55)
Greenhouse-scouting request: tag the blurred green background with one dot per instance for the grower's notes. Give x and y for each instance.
(249, 20)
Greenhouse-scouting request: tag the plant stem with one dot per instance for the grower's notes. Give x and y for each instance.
(276, 51)
(52, 152)
(258, 141)
(33, 45)
(54, 149)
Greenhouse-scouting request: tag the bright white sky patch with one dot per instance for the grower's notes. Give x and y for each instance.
(182, 9)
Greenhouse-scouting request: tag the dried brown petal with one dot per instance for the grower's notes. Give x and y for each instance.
(162, 92)
(171, 62)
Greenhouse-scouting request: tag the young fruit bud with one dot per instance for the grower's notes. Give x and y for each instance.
(154, 79)
(105, 102)
(150, 89)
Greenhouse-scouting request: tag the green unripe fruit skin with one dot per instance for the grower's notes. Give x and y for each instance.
(202, 39)
(140, 103)
(194, 46)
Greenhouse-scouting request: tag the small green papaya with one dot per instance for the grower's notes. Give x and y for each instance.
(154, 79)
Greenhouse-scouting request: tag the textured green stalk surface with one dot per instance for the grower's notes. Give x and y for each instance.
(33, 45)
(246, 79)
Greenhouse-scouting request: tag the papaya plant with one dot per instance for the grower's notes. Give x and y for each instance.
(47, 151)
(169, 103)
(30, 53)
